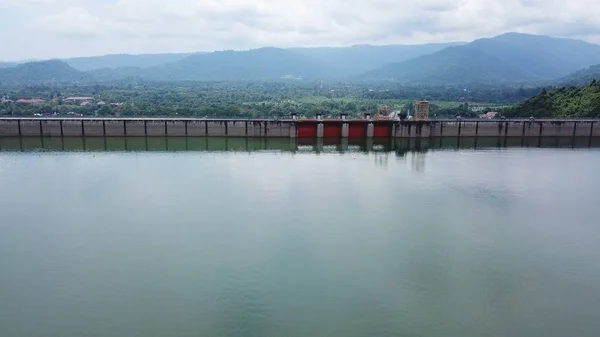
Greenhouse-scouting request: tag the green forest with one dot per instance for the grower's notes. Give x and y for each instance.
(251, 99)
(278, 99)
(573, 102)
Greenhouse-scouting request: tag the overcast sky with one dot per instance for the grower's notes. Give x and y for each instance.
(38, 29)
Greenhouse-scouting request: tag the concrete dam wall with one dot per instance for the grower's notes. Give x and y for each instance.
(313, 128)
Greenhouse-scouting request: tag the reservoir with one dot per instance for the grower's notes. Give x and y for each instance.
(190, 237)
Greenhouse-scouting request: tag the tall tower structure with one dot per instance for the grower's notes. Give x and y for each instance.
(422, 111)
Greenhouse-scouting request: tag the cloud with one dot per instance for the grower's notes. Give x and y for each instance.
(90, 27)
(26, 3)
(73, 22)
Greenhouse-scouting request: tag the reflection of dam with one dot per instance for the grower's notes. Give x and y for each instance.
(399, 146)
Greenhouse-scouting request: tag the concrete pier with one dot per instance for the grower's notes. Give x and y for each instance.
(294, 128)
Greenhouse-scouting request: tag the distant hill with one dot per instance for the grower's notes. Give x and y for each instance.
(263, 63)
(111, 74)
(508, 58)
(580, 77)
(7, 65)
(272, 63)
(574, 102)
(123, 60)
(352, 60)
(44, 71)
(363, 58)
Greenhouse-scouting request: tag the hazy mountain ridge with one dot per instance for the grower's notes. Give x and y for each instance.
(123, 61)
(363, 58)
(508, 58)
(7, 65)
(43, 71)
(263, 63)
(580, 77)
(310, 62)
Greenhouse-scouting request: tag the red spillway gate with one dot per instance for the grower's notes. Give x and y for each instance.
(307, 130)
(331, 130)
(357, 130)
(382, 130)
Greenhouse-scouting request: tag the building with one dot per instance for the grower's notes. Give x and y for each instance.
(489, 115)
(31, 101)
(421, 110)
(78, 99)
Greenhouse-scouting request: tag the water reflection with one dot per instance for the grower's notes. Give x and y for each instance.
(399, 146)
(349, 239)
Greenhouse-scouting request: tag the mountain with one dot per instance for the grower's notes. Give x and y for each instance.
(112, 74)
(263, 63)
(574, 102)
(272, 63)
(7, 65)
(363, 58)
(508, 58)
(44, 71)
(354, 59)
(580, 77)
(123, 60)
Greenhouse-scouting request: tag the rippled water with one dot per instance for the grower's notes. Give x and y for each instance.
(276, 238)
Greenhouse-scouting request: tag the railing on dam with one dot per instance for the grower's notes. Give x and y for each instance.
(294, 128)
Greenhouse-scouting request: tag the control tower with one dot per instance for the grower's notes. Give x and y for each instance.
(422, 110)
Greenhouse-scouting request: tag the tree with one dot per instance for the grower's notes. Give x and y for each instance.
(104, 111)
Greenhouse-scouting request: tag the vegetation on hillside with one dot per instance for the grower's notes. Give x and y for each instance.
(574, 102)
(123, 61)
(508, 58)
(581, 77)
(40, 72)
(278, 99)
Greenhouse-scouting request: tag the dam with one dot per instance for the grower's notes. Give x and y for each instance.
(294, 128)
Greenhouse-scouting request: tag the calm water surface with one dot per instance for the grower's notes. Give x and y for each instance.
(281, 239)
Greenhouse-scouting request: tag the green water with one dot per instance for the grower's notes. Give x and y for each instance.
(276, 238)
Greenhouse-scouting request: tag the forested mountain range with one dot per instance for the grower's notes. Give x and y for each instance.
(7, 64)
(123, 61)
(354, 59)
(506, 59)
(581, 77)
(364, 58)
(44, 71)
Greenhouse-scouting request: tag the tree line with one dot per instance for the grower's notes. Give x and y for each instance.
(249, 99)
(572, 102)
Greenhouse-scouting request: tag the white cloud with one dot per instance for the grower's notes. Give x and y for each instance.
(73, 22)
(89, 27)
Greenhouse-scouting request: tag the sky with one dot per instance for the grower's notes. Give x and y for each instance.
(41, 29)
